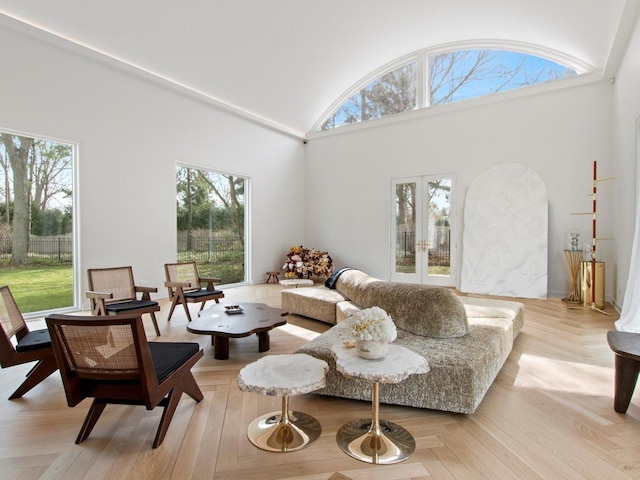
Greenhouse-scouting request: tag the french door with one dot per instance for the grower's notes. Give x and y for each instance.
(423, 240)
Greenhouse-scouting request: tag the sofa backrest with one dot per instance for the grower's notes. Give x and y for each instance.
(419, 309)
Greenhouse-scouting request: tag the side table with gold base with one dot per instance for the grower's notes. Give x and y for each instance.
(283, 375)
(373, 440)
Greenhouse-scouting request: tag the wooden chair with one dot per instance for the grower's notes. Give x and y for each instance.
(109, 359)
(112, 291)
(30, 346)
(185, 286)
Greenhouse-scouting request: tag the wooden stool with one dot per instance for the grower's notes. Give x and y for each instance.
(626, 346)
(272, 276)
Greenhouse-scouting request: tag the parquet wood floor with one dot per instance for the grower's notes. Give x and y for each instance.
(548, 415)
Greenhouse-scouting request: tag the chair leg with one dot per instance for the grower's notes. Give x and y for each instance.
(97, 407)
(174, 302)
(191, 387)
(38, 373)
(627, 370)
(186, 310)
(167, 415)
(202, 305)
(155, 323)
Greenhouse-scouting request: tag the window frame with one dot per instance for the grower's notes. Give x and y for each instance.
(421, 57)
(76, 268)
(247, 215)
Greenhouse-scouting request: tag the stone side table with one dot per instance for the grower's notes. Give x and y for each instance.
(373, 440)
(283, 376)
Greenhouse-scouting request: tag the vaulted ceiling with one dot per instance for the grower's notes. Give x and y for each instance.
(286, 61)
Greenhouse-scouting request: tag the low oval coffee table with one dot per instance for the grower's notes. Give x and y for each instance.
(255, 318)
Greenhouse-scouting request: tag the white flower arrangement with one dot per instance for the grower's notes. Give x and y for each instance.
(373, 324)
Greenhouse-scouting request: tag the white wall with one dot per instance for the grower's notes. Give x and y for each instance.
(131, 134)
(626, 108)
(558, 134)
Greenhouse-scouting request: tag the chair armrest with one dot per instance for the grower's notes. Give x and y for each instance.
(97, 301)
(177, 284)
(145, 291)
(96, 295)
(210, 281)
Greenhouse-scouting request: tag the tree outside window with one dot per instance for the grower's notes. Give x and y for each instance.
(210, 222)
(36, 221)
(450, 76)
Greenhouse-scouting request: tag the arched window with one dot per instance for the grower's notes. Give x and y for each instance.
(391, 93)
(448, 76)
(463, 74)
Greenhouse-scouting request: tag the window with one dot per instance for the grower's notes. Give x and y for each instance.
(211, 222)
(463, 74)
(36, 222)
(447, 76)
(394, 92)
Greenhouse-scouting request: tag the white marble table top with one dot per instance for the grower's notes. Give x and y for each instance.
(283, 375)
(395, 367)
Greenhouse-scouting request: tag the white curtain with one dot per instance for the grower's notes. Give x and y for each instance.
(630, 316)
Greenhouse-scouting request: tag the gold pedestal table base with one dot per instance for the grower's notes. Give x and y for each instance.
(283, 375)
(284, 431)
(376, 441)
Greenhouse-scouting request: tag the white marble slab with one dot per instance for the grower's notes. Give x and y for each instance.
(395, 367)
(283, 375)
(505, 237)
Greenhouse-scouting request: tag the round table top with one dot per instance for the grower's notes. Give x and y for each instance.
(395, 367)
(283, 375)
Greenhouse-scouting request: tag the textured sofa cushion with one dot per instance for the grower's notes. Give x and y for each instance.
(419, 309)
(314, 302)
(461, 369)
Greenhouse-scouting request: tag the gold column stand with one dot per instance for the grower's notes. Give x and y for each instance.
(574, 259)
(374, 440)
(284, 431)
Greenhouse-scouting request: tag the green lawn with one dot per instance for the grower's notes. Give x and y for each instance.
(39, 287)
(50, 286)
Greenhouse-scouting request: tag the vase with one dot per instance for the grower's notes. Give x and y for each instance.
(372, 349)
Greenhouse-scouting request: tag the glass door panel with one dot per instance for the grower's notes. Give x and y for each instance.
(422, 240)
(437, 234)
(406, 200)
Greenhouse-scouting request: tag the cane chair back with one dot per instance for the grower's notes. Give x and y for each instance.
(112, 291)
(109, 359)
(117, 281)
(185, 285)
(19, 345)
